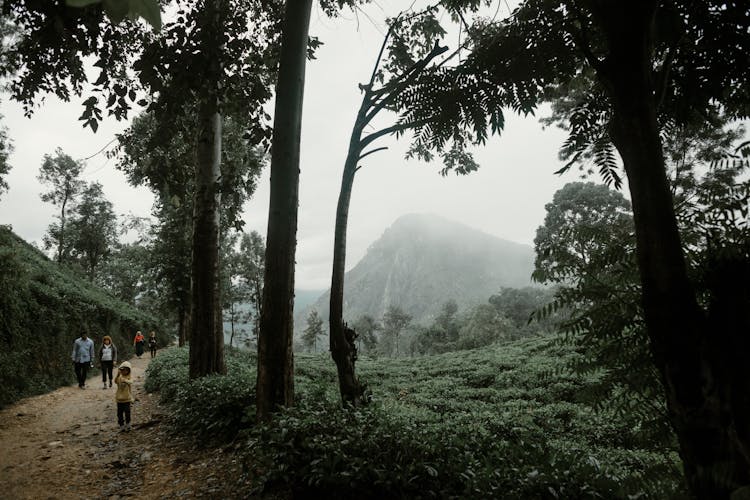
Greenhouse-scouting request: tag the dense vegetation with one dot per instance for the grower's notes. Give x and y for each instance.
(507, 420)
(43, 308)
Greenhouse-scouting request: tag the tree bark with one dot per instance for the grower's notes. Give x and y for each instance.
(182, 326)
(690, 352)
(341, 339)
(206, 332)
(275, 382)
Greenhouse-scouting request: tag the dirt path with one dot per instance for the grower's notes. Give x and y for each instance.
(66, 444)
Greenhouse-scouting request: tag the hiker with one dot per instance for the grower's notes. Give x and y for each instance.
(107, 359)
(83, 358)
(138, 342)
(152, 343)
(124, 395)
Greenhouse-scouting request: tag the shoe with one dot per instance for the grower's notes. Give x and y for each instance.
(122, 428)
(110, 383)
(127, 427)
(104, 386)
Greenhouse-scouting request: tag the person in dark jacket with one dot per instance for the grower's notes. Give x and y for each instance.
(152, 343)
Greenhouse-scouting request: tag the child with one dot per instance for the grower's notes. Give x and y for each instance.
(152, 343)
(124, 395)
(108, 359)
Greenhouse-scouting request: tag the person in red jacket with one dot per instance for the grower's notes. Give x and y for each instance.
(139, 342)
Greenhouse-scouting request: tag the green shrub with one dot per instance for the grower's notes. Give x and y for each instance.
(440, 427)
(212, 408)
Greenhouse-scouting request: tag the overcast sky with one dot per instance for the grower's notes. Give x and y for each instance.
(505, 198)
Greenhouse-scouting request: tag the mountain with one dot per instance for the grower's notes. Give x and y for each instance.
(422, 261)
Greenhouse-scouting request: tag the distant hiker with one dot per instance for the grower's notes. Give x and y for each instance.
(139, 342)
(152, 343)
(124, 395)
(107, 359)
(83, 358)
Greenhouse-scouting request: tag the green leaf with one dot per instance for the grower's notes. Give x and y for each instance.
(80, 3)
(148, 10)
(116, 10)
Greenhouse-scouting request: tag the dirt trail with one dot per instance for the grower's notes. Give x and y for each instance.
(66, 444)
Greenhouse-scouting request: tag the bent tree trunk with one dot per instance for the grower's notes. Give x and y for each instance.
(343, 349)
(206, 331)
(703, 384)
(275, 382)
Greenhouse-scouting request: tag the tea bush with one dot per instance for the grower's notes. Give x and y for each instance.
(212, 408)
(499, 422)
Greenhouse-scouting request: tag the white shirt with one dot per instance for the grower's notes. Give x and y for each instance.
(107, 352)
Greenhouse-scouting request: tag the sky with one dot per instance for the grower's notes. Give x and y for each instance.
(505, 198)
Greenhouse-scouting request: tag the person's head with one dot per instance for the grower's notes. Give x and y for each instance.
(107, 340)
(125, 368)
(84, 335)
(152, 334)
(138, 332)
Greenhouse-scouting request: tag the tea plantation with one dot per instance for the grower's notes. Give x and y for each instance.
(507, 421)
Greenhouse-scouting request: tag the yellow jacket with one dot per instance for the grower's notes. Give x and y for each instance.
(124, 392)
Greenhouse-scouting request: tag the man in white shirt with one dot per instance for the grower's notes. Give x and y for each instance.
(83, 358)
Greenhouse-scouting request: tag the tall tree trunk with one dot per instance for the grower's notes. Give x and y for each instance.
(231, 319)
(182, 325)
(275, 384)
(206, 332)
(61, 240)
(688, 352)
(343, 349)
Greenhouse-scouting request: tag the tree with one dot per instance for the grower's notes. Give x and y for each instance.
(584, 221)
(223, 62)
(6, 148)
(313, 331)
(586, 247)
(62, 173)
(169, 261)
(484, 325)
(394, 322)
(366, 327)
(519, 305)
(93, 229)
(442, 335)
(119, 11)
(233, 293)
(124, 273)
(150, 158)
(51, 46)
(275, 384)
(251, 269)
(400, 74)
(651, 65)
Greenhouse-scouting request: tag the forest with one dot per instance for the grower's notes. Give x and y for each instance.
(608, 361)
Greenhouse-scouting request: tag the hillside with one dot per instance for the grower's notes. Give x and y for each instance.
(422, 261)
(43, 308)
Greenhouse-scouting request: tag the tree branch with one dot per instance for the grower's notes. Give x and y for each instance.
(399, 127)
(398, 84)
(363, 155)
(581, 39)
